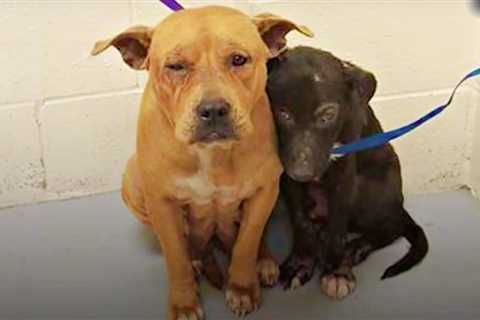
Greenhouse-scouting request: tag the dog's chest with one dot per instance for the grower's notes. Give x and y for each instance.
(202, 188)
(318, 209)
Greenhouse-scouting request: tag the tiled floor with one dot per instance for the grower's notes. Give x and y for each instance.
(89, 258)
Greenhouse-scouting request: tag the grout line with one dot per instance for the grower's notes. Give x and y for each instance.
(131, 12)
(38, 105)
(132, 9)
(413, 94)
(137, 90)
(251, 7)
(131, 90)
(73, 97)
(470, 136)
(474, 117)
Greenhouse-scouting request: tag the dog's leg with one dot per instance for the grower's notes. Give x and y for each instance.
(168, 223)
(132, 191)
(243, 291)
(201, 229)
(383, 233)
(267, 268)
(359, 249)
(298, 268)
(343, 180)
(206, 264)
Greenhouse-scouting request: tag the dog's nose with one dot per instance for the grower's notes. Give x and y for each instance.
(302, 165)
(301, 174)
(212, 110)
(302, 156)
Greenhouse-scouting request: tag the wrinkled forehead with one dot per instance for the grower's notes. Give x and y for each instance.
(204, 28)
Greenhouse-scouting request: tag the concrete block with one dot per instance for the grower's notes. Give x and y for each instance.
(46, 49)
(475, 139)
(88, 141)
(411, 46)
(435, 155)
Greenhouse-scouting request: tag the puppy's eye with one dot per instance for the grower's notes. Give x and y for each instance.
(326, 113)
(176, 66)
(238, 60)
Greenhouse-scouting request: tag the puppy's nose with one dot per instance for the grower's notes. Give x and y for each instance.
(212, 110)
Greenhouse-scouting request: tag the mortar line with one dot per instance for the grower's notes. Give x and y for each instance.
(38, 105)
(414, 94)
(132, 90)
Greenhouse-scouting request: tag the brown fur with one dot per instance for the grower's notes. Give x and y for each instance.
(178, 185)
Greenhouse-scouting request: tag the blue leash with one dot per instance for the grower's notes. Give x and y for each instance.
(384, 137)
(379, 138)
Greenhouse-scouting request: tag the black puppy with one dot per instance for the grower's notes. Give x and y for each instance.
(319, 101)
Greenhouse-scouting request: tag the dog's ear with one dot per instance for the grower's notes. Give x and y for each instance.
(274, 29)
(132, 44)
(363, 82)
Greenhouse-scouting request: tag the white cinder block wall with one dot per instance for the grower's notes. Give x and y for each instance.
(68, 120)
(475, 161)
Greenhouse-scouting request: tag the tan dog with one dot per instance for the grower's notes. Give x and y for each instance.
(206, 161)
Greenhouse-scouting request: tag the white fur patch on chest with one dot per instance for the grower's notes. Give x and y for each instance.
(199, 189)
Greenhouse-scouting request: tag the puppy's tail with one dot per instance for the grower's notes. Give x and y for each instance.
(418, 250)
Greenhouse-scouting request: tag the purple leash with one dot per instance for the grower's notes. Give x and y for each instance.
(172, 4)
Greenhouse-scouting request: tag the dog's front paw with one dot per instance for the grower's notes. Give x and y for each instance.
(184, 303)
(339, 284)
(188, 314)
(268, 271)
(243, 300)
(189, 310)
(296, 271)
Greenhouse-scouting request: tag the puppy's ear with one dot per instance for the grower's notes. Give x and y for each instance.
(132, 44)
(273, 30)
(363, 82)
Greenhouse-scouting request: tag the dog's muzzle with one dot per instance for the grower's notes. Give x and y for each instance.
(302, 166)
(213, 121)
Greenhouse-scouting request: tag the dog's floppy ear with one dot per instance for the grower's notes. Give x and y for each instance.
(363, 82)
(273, 30)
(132, 44)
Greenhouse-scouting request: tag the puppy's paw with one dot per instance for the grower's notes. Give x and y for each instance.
(338, 285)
(241, 300)
(268, 272)
(296, 271)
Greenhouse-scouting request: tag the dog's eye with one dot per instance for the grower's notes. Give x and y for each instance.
(327, 113)
(175, 66)
(238, 60)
